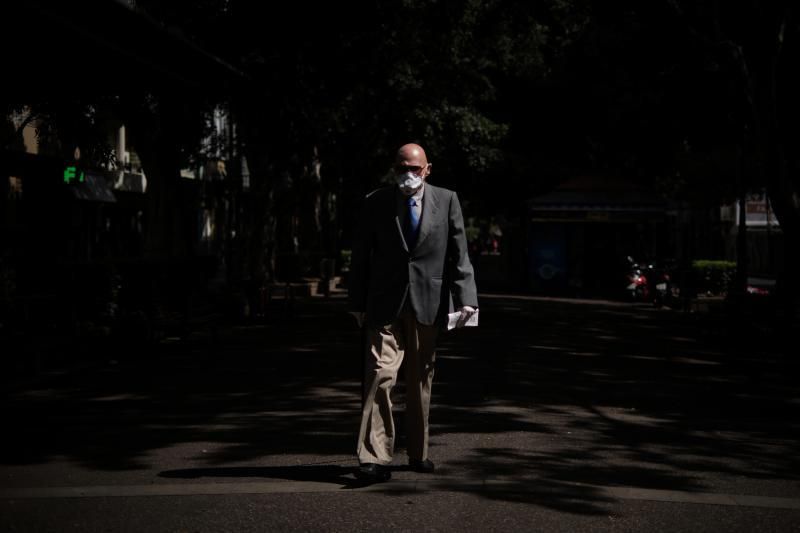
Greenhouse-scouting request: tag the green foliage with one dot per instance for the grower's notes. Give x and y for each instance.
(418, 70)
(65, 123)
(445, 60)
(713, 276)
(733, 66)
(345, 257)
(703, 264)
(471, 229)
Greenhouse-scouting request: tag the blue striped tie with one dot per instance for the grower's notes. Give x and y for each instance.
(413, 223)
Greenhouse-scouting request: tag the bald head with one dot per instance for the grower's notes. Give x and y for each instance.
(412, 157)
(412, 153)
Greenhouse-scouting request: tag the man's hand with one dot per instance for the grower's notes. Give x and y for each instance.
(360, 317)
(466, 312)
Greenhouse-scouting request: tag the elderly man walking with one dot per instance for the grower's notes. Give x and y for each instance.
(409, 269)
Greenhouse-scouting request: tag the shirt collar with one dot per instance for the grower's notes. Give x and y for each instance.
(418, 195)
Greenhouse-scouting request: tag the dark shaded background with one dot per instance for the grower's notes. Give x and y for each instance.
(689, 104)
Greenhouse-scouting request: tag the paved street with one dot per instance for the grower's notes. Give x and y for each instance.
(553, 415)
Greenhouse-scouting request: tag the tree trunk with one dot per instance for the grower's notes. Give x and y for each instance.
(742, 266)
(164, 235)
(783, 201)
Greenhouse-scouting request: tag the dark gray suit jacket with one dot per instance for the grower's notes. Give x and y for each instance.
(436, 275)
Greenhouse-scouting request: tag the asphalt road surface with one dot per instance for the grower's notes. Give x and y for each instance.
(552, 415)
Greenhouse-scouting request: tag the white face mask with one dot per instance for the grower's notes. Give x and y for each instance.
(409, 183)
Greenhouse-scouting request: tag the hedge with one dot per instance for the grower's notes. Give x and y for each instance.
(713, 276)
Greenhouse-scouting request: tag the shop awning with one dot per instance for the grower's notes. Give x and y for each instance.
(598, 198)
(94, 188)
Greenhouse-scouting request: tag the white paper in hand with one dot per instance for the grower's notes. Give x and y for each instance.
(452, 320)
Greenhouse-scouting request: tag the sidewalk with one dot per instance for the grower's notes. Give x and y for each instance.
(552, 415)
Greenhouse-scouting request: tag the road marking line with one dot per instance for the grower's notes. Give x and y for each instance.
(570, 490)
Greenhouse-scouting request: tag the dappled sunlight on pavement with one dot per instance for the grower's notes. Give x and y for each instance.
(555, 404)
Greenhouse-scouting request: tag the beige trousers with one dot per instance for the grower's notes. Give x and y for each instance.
(404, 339)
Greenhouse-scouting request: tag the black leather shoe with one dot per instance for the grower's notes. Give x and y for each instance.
(423, 467)
(373, 473)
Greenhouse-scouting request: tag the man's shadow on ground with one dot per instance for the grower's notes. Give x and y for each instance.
(334, 474)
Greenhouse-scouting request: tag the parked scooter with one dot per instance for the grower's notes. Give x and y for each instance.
(637, 287)
(665, 290)
(650, 282)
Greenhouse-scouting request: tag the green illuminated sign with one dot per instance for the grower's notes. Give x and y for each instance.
(69, 175)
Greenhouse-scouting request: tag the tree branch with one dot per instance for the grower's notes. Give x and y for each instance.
(28, 119)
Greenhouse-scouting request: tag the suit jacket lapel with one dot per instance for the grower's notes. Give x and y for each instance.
(400, 231)
(396, 208)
